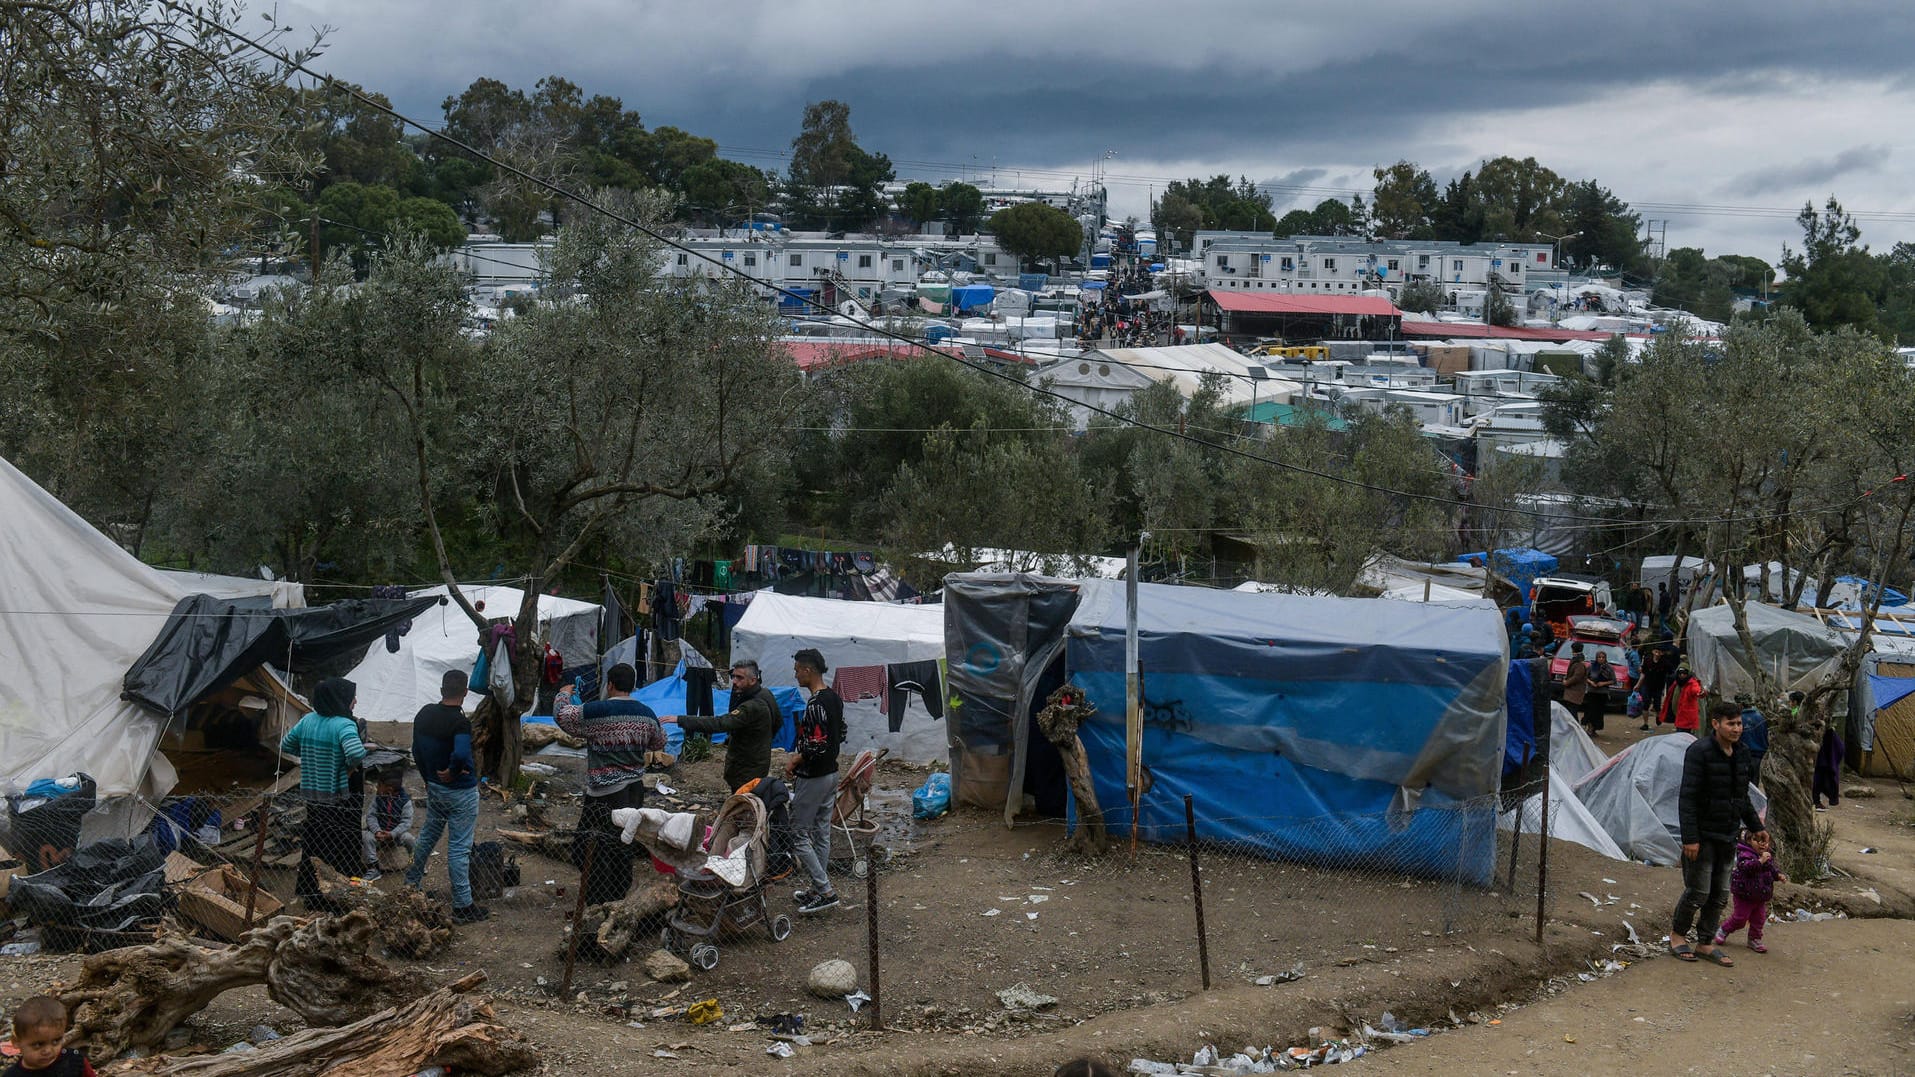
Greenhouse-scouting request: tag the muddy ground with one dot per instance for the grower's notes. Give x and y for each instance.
(1114, 942)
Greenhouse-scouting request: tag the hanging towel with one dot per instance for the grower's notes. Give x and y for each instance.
(721, 575)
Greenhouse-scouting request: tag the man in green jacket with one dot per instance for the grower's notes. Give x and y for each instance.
(749, 727)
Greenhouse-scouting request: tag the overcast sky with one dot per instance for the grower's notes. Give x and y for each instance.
(1721, 119)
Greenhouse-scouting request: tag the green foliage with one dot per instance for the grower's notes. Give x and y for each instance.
(1833, 279)
(919, 203)
(1498, 309)
(696, 748)
(1034, 231)
(1425, 296)
(833, 182)
(1221, 204)
(1330, 218)
(1177, 218)
(963, 204)
(1404, 202)
(360, 219)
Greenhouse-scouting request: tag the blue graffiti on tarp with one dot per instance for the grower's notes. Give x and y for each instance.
(983, 658)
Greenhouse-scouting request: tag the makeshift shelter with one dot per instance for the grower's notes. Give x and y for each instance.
(666, 696)
(75, 611)
(872, 648)
(1572, 753)
(1795, 648)
(1569, 820)
(1635, 796)
(282, 594)
(1520, 566)
(394, 684)
(1881, 732)
(1310, 728)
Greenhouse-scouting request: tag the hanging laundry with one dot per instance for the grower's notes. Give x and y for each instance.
(751, 558)
(392, 591)
(859, 682)
(865, 562)
(611, 618)
(698, 690)
(644, 600)
(665, 612)
(721, 575)
(904, 678)
(554, 665)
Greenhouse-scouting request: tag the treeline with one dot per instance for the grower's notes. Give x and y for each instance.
(1503, 200)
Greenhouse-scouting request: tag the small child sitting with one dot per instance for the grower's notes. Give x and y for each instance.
(388, 822)
(1751, 886)
(38, 1027)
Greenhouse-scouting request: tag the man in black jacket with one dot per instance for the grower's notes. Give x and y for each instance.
(1714, 807)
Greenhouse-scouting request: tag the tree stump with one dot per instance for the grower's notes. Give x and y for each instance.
(320, 969)
(445, 1029)
(1065, 709)
(611, 929)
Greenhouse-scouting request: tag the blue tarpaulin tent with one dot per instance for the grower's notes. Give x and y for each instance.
(972, 296)
(1330, 730)
(1519, 565)
(667, 696)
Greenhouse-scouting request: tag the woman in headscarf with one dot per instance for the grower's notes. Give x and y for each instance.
(327, 743)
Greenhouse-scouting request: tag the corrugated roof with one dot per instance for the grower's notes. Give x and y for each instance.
(1291, 303)
(1477, 330)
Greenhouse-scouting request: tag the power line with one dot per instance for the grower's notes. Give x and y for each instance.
(726, 268)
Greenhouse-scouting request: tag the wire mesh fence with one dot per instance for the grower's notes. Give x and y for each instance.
(1273, 895)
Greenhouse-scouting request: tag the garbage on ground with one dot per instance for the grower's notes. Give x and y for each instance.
(20, 949)
(1290, 975)
(1210, 1062)
(1804, 916)
(543, 769)
(704, 1013)
(1023, 996)
(780, 1050)
(933, 798)
(857, 999)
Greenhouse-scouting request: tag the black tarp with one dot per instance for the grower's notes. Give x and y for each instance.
(208, 643)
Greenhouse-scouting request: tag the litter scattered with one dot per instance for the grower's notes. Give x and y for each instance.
(1038, 899)
(704, 1013)
(1610, 882)
(1293, 973)
(1023, 996)
(665, 790)
(780, 1050)
(992, 912)
(539, 768)
(857, 999)
(1869, 849)
(20, 949)
(1030, 916)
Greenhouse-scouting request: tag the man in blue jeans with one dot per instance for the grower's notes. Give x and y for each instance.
(442, 747)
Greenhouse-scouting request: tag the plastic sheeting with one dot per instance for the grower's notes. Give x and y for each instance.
(1571, 753)
(850, 635)
(394, 685)
(283, 594)
(1636, 796)
(75, 611)
(1347, 713)
(1001, 632)
(1569, 820)
(1795, 647)
(209, 643)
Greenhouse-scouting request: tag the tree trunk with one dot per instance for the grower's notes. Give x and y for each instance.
(132, 997)
(445, 1029)
(612, 928)
(1787, 774)
(1066, 709)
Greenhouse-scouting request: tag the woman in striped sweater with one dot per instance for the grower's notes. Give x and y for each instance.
(329, 749)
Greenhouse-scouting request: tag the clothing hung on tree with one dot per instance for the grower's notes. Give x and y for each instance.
(904, 678)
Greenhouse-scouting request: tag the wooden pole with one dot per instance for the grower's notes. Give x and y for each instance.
(1542, 862)
(1196, 887)
(871, 941)
(578, 910)
(259, 854)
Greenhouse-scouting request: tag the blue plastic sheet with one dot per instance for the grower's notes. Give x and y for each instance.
(667, 696)
(1519, 743)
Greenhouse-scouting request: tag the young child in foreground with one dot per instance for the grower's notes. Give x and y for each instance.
(1751, 886)
(38, 1027)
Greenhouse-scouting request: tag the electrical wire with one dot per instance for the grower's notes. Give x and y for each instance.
(293, 64)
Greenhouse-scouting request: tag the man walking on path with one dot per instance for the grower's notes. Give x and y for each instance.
(751, 725)
(442, 747)
(1713, 808)
(813, 768)
(618, 732)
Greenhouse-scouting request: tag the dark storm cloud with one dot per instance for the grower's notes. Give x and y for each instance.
(1810, 173)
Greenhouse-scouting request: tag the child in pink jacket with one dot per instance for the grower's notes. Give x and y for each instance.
(1751, 886)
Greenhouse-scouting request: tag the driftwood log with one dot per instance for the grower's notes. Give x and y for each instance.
(408, 923)
(612, 928)
(320, 969)
(539, 735)
(445, 1029)
(1064, 710)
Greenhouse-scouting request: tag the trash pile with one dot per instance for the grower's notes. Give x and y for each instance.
(1320, 1050)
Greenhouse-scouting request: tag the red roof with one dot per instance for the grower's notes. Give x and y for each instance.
(1498, 332)
(1291, 303)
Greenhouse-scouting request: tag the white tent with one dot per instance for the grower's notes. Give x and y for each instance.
(286, 595)
(1568, 819)
(851, 636)
(1571, 752)
(1635, 796)
(394, 685)
(76, 611)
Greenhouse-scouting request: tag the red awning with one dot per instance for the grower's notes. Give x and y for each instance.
(1236, 302)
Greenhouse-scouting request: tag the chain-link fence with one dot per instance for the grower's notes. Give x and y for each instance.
(966, 907)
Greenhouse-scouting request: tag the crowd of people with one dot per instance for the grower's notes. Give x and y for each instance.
(1110, 317)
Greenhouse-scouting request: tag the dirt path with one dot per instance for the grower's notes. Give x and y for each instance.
(1829, 998)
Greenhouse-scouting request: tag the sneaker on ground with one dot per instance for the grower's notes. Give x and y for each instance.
(800, 896)
(372, 875)
(818, 903)
(470, 914)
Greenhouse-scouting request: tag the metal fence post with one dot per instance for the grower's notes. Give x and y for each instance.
(871, 941)
(1542, 861)
(578, 911)
(1196, 885)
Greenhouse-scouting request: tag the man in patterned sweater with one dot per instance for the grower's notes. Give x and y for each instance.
(618, 732)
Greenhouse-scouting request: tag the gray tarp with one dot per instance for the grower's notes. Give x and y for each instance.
(1795, 647)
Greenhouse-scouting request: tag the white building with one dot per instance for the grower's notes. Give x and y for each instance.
(1109, 377)
(1340, 264)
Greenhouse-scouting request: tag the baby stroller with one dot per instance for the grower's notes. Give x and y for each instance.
(847, 809)
(727, 894)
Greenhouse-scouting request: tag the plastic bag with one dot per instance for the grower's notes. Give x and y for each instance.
(933, 798)
(477, 682)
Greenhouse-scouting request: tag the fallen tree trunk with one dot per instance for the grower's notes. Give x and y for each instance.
(611, 928)
(320, 969)
(1064, 711)
(408, 923)
(444, 1029)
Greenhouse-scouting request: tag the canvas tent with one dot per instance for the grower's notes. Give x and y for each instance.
(76, 611)
(282, 594)
(860, 641)
(1795, 647)
(393, 685)
(1308, 727)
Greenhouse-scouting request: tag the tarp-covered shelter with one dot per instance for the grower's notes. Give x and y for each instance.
(393, 685)
(1635, 796)
(282, 594)
(864, 643)
(1795, 648)
(666, 696)
(1313, 728)
(76, 611)
(208, 643)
